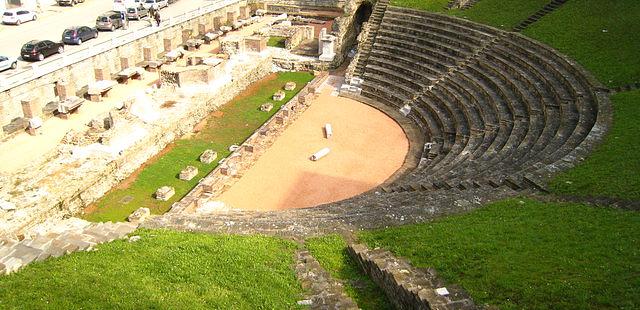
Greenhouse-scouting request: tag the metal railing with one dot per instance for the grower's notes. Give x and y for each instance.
(45, 67)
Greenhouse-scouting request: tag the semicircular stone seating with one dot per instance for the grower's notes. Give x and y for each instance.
(495, 107)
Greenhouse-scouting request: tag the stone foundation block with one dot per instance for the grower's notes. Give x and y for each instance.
(188, 173)
(208, 156)
(165, 193)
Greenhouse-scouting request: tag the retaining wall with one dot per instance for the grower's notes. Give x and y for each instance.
(406, 286)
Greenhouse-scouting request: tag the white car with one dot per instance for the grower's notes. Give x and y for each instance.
(8, 62)
(157, 4)
(18, 16)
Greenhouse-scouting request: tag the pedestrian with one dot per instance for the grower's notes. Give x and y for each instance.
(152, 12)
(157, 17)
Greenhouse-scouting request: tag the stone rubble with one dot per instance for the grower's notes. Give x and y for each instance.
(139, 215)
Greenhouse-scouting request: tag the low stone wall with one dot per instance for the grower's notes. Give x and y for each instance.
(65, 185)
(406, 286)
(233, 166)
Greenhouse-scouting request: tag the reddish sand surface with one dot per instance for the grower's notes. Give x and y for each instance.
(367, 147)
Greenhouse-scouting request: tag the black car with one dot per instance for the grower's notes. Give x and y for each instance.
(77, 35)
(39, 50)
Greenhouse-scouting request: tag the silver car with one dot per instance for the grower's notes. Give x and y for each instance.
(8, 63)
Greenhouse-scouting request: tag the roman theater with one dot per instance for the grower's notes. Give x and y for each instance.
(330, 154)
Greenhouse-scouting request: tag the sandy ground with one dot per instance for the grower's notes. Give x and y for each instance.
(367, 147)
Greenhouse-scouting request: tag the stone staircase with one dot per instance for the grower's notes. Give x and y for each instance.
(550, 7)
(365, 47)
(68, 236)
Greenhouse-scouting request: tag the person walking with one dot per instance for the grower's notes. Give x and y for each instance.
(152, 12)
(157, 17)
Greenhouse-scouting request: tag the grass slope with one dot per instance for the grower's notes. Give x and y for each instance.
(165, 269)
(612, 170)
(427, 5)
(241, 117)
(576, 29)
(277, 42)
(503, 14)
(331, 252)
(529, 255)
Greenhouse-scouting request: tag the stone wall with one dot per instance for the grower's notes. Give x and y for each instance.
(294, 6)
(406, 286)
(83, 72)
(54, 191)
(231, 168)
(344, 28)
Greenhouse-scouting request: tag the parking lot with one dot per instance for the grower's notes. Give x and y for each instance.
(53, 20)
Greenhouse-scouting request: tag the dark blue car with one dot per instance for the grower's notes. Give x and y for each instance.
(79, 34)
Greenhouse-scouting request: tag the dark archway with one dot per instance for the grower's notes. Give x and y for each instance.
(362, 15)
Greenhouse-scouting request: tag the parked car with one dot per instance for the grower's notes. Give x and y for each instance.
(78, 34)
(69, 2)
(39, 50)
(137, 13)
(109, 21)
(18, 16)
(157, 4)
(8, 62)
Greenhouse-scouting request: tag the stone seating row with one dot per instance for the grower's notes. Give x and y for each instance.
(508, 108)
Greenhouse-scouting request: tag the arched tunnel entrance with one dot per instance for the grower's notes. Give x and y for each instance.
(362, 15)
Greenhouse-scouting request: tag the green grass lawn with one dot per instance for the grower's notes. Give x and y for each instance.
(331, 252)
(576, 29)
(503, 14)
(427, 5)
(277, 42)
(164, 270)
(241, 117)
(612, 170)
(529, 255)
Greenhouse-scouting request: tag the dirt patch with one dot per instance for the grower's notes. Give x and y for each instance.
(254, 87)
(367, 147)
(217, 114)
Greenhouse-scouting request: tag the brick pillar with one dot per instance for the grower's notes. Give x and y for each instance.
(186, 34)
(102, 74)
(202, 29)
(65, 90)
(232, 17)
(31, 108)
(168, 44)
(218, 22)
(148, 53)
(125, 62)
(245, 12)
